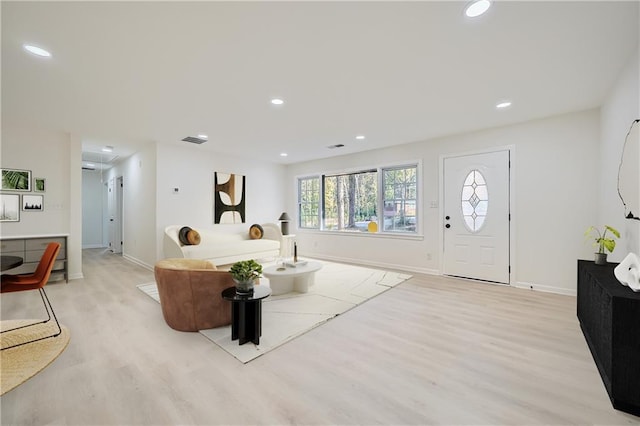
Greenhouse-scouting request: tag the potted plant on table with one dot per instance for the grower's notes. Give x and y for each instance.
(245, 273)
(603, 243)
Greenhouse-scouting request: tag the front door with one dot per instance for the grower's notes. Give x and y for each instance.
(476, 216)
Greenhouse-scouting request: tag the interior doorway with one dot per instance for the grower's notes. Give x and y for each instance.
(115, 209)
(476, 216)
(105, 214)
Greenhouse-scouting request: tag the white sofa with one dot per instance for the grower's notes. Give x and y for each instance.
(223, 248)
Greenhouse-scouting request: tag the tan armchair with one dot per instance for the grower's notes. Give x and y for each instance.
(190, 294)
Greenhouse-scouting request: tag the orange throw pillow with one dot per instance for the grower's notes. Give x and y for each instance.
(193, 237)
(256, 232)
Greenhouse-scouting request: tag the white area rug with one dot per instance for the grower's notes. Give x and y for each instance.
(338, 288)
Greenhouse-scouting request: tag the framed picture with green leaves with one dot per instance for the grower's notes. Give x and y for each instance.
(16, 180)
(39, 184)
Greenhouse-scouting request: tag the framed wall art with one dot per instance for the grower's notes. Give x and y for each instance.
(9, 208)
(16, 180)
(38, 184)
(229, 198)
(32, 203)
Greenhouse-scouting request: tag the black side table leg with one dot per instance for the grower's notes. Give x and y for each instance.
(250, 330)
(235, 320)
(257, 323)
(243, 323)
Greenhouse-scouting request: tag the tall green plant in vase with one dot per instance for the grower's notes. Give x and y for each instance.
(601, 241)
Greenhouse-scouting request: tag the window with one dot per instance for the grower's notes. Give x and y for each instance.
(352, 202)
(399, 199)
(474, 201)
(309, 202)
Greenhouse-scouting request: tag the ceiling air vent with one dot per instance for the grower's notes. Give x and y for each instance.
(193, 139)
(338, 145)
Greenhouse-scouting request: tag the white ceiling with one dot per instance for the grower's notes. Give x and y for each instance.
(125, 73)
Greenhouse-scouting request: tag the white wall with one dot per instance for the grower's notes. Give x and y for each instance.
(92, 209)
(555, 200)
(621, 107)
(139, 205)
(46, 154)
(53, 156)
(191, 169)
(74, 241)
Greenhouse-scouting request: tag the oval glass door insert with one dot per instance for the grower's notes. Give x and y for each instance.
(474, 201)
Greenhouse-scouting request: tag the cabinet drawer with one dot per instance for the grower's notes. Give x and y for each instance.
(12, 246)
(59, 266)
(35, 255)
(41, 243)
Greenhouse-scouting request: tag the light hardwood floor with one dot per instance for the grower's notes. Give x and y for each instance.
(433, 350)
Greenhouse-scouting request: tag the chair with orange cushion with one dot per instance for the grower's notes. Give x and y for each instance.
(35, 281)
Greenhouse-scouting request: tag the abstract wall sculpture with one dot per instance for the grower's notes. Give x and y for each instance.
(229, 198)
(628, 272)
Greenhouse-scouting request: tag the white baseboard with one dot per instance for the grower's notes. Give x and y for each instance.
(137, 261)
(522, 285)
(76, 276)
(546, 288)
(378, 264)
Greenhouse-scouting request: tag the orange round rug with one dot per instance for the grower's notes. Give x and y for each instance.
(19, 364)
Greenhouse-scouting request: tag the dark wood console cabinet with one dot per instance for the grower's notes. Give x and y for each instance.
(609, 315)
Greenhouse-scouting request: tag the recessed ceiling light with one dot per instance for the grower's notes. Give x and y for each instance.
(503, 104)
(360, 137)
(107, 149)
(203, 136)
(283, 154)
(277, 101)
(37, 50)
(477, 8)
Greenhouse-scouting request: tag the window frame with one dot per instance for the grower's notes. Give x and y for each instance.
(395, 200)
(416, 164)
(299, 202)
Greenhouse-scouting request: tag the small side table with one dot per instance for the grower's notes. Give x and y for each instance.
(246, 313)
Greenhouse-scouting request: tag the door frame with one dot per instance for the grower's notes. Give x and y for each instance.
(120, 213)
(512, 205)
(116, 214)
(106, 237)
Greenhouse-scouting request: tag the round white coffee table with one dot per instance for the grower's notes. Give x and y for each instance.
(297, 278)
